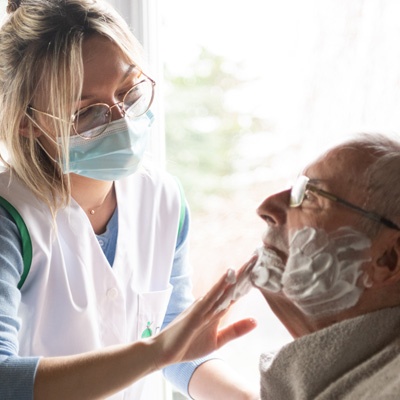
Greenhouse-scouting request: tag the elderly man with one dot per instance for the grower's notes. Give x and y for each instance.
(330, 270)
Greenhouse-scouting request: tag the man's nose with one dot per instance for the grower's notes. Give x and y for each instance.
(273, 210)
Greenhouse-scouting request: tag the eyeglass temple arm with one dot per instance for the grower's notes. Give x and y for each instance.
(370, 215)
(45, 113)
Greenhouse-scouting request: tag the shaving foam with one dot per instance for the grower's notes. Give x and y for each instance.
(240, 286)
(323, 269)
(268, 270)
(230, 276)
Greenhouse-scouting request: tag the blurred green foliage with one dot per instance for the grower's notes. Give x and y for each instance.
(201, 128)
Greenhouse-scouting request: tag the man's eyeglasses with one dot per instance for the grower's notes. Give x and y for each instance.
(302, 185)
(136, 102)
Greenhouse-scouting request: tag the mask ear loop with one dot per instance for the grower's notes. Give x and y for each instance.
(48, 136)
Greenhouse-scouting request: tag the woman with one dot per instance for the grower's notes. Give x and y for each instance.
(93, 245)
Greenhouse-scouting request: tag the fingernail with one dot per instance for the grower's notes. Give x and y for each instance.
(230, 276)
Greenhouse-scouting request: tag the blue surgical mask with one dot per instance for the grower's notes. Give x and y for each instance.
(114, 154)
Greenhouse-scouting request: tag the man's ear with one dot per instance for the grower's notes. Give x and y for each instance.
(27, 127)
(386, 268)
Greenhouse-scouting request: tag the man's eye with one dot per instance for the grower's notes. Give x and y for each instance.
(309, 196)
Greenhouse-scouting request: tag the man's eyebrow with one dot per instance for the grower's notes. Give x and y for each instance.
(315, 182)
(321, 184)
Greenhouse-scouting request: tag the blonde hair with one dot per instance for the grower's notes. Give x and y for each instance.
(41, 49)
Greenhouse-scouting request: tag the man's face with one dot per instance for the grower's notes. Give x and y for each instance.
(314, 253)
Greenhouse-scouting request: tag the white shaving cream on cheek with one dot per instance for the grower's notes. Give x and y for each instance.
(323, 269)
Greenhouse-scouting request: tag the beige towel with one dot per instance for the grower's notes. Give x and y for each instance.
(354, 359)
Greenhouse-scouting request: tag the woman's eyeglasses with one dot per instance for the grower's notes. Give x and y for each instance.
(91, 121)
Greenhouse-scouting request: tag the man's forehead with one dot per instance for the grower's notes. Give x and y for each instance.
(339, 165)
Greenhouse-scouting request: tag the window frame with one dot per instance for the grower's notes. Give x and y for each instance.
(144, 18)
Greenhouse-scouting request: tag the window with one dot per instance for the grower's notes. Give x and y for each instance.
(144, 18)
(253, 91)
(212, 216)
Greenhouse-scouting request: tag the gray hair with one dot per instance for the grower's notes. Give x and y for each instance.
(381, 179)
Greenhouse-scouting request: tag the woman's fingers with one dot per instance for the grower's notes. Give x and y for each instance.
(235, 330)
(245, 269)
(241, 286)
(229, 287)
(214, 295)
(217, 300)
(199, 323)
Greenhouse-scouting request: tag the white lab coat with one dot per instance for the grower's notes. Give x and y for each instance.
(72, 301)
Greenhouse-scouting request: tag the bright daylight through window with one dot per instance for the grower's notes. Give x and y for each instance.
(252, 92)
(246, 94)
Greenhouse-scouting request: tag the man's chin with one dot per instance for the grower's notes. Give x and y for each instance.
(268, 269)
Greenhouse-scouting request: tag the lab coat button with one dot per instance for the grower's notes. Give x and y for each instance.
(112, 293)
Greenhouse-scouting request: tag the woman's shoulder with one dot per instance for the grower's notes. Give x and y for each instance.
(151, 189)
(5, 174)
(14, 194)
(154, 177)
(11, 183)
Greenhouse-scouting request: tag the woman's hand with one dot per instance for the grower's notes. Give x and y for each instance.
(195, 332)
(191, 335)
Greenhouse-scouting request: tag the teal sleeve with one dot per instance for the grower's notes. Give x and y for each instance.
(17, 374)
(179, 375)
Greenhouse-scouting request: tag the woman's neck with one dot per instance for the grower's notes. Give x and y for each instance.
(96, 198)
